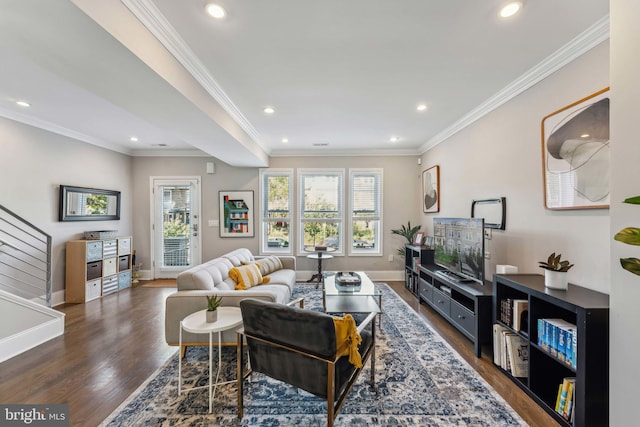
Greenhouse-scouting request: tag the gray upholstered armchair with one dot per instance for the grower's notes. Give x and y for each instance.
(299, 347)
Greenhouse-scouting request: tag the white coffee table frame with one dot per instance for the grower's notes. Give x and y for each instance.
(228, 318)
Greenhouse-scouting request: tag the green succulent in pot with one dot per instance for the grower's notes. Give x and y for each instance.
(554, 263)
(213, 302)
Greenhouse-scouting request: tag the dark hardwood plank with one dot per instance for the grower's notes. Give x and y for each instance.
(112, 345)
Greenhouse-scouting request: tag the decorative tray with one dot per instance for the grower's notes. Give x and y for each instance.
(348, 280)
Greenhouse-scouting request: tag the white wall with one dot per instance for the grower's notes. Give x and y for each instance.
(500, 155)
(33, 164)
(625, 286)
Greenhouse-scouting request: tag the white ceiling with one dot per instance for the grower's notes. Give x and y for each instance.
(343, 74)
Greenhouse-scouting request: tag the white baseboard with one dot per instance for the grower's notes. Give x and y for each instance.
(376, 276)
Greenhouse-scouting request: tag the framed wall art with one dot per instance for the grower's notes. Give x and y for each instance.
(236, 214)
(576, 154)
(431, 190)
(417, 238)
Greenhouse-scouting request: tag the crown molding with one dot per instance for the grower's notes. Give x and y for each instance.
(322, 152)
(587, 40)
(61, 130)
(151, 17)
(169, 153)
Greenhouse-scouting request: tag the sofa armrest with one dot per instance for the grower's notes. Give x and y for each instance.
(288, 261)
(181, 304)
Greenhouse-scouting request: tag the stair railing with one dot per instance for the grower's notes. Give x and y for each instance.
(25, 258)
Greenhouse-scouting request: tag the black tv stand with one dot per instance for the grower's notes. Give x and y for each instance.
(465, 303)
(451, 275)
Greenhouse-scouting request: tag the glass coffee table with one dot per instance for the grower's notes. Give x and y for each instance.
(365, 298)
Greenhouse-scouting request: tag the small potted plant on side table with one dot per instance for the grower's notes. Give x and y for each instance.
(213, 302)
(555, 272)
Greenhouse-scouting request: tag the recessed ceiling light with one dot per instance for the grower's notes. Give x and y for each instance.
(511, 8)
(133, 139)
(394, 139)
(585, 135)
(23, 104)
(421, 107)
(269, 110)
(215, 10)
(285, 140)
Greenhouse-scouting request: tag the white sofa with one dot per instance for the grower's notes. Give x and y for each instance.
(212, 278)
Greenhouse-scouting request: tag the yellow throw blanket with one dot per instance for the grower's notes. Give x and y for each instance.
(348, 339)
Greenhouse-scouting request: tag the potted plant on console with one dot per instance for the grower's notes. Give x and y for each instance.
(408, 232)
(213, 302)
(555, 272)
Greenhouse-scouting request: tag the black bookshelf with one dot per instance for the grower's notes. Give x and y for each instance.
(589, 311)
(414, 256)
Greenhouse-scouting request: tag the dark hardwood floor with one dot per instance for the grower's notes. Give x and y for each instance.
(112, 345)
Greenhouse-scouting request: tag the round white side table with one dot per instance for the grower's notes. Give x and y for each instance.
(228, 318)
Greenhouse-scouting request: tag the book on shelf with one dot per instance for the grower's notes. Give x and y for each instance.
(565, 398)
(567, 412)
(506, 310)
(518, 354)
(416, 263)
(506, 362)
(497, 343)
(559, 338)
(520, 315)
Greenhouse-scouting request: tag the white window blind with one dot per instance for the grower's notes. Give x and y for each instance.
(276, 192)
(366, 211)
(321, 209)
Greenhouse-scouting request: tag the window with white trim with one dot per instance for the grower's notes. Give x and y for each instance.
(366, 211)
(321, 199)
(276, 213)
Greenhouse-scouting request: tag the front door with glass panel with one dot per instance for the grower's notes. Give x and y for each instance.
(175, 227)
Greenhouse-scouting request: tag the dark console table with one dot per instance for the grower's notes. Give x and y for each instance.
(467, 306)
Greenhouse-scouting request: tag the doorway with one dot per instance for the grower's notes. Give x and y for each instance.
(175, 236)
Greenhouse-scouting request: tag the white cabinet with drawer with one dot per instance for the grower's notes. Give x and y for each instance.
(94, 289)
(97, 268)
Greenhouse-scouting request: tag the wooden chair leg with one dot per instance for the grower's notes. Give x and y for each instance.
(183, 351)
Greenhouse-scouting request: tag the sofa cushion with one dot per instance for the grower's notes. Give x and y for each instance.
(267, 264)
(247, 276)
(284, 277)
(207, 276)
(238, 256)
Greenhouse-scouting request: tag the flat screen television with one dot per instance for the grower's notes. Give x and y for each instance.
(459, 248)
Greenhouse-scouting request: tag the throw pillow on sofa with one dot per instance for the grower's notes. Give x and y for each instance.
(267, 264)
(247, 276)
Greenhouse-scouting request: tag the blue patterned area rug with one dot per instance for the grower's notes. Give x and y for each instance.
(420, 381)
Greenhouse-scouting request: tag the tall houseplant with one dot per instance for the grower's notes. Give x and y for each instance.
(407, 232)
